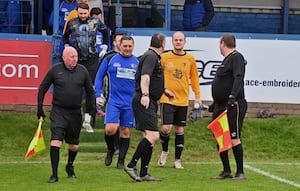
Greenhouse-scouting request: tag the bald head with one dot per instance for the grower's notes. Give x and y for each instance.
(178, 41)
(70, 57)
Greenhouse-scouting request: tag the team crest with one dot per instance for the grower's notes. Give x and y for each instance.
(178, 74)
(91, 25)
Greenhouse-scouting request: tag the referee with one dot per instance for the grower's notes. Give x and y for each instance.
(149, 88)
(68, 79)
(228, 93)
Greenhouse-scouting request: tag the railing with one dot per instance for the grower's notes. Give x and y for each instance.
(17, 16)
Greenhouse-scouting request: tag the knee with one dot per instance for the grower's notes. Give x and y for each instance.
(166, 129)
(73, 148)
(124, 132)
(110, 130)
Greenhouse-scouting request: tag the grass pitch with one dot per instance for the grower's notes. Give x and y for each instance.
(271, 147)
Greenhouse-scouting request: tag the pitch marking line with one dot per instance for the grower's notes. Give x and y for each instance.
(265, 173)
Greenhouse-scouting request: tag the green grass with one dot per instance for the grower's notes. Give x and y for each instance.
(270, 145)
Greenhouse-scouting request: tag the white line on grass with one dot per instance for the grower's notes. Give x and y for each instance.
(272, 176)
(292, 183)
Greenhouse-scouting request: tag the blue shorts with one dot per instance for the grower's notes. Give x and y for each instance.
(121, 114)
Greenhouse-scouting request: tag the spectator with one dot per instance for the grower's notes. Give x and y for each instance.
(15, 16)
(197, 14)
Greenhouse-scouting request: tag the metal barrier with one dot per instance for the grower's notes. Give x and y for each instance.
(17, 16)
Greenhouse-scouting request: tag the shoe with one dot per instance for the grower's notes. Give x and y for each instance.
(53, 179)
(100, 112)
(117, 151)
(70, 171)
(109, 157)
(223, 175)
(177, 164)
(120, 165)
(88, 127)
(132, 173)
(163, 158)
(240, 176)
(148, 177)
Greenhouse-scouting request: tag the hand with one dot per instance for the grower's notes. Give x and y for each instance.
(100, 101)
(197, 104)
(211, 107)
(231, 101)
(169, 94)
(145, 100)
(103, 52)
(40, 113)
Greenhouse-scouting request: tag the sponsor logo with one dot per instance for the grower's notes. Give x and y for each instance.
(19, 70)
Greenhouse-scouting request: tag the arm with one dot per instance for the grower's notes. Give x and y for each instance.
(43, 88)
(99, 80)
(90, 95)
(145, 83)
(105, 34)
(195, 82)
(66, 34)
(209, 12)
(238, 72)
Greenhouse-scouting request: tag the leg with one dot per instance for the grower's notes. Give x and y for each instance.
(73, 150)
(124, 145)
(150, 138)
(110, 131)
(54, 156)
(179, 143)
(164, 139)
(238, 155)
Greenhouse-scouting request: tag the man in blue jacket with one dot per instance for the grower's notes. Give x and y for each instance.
(197, 14)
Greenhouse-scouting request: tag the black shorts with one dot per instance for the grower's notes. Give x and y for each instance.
(65, 124)
(92, 66)
(172, 114)
(145, 119)
(235, 115)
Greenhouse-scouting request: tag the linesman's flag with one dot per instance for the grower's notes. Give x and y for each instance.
(220, 129)
(37, 144)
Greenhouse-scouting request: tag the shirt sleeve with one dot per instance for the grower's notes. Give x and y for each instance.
(99, 77)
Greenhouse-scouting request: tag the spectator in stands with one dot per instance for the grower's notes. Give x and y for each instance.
(14, 17)
(47, 10)
(197, 14)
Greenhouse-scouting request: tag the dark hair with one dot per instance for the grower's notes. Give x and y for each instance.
(117, 34)
(229, 40)
(126, 37)
(95, 11)
(83, 6)
(157, 40)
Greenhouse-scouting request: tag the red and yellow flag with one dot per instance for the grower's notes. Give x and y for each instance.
(220, 129)
(37, 144)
